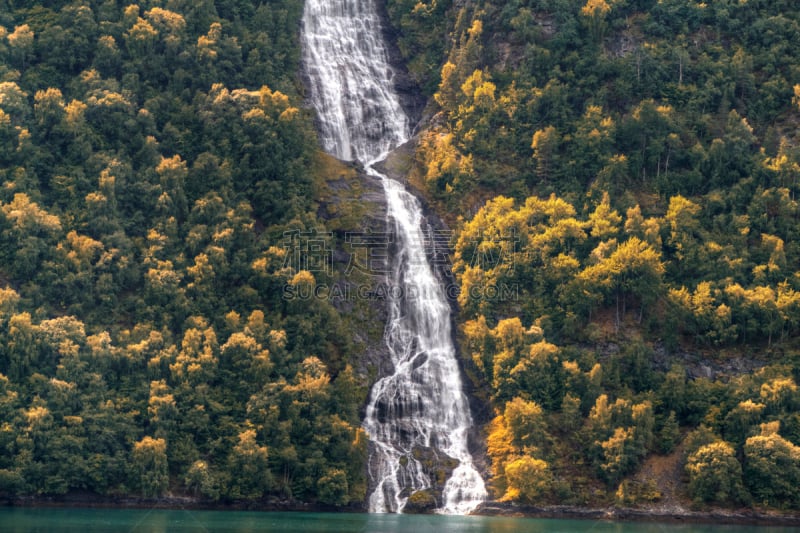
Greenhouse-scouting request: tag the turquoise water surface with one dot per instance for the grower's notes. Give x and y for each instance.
(126, 520)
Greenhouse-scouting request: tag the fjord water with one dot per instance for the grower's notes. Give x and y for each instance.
(28, 520)
(421, 405)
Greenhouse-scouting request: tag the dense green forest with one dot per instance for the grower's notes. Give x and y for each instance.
(621, 177)
(152, 157)
(625, 174)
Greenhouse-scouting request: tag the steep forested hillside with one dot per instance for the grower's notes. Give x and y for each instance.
(622, 176)
(153, 158)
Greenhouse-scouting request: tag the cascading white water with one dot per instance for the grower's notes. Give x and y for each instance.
(421, 405)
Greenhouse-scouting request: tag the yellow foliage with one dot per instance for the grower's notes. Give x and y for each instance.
(288, 114)
(49, 97)
(421, 8)
(476, 330)
(444, 96)
(443, 162)
(526, 423)
(542, 349)
(768, 429)
(479, 89)
(476, 29)
(27, 216)
(528, 479)
(604, 221)
(254, 114)
(500, 441)
(509, 333)
(269, 99)
(38, 416)
(476, 333)
(595, 8)
(149, 446)
(141, 34)
(9, 298)
(169, 20)
(131, 11)
(304, 277)
(484, 93)
(779, 392)
(82, 249)
(278, 338)
(503, 362)
(720, 448)
(22, 37)
(571, 367)
(500, 449)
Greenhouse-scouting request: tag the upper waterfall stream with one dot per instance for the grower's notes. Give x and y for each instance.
(421, 405)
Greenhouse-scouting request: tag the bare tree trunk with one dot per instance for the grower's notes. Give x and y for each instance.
(638, 65)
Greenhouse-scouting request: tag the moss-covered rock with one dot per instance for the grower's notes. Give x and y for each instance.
(422, 501)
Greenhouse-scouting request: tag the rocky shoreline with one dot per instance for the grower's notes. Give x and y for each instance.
(96, 501)
(666, 515)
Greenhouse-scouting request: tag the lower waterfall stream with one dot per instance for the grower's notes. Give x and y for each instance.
(421, 405)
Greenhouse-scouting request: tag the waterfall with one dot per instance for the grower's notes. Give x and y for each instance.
(421, 405)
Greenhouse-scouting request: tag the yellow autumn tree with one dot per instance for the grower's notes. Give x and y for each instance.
(595, 12)
(150, 460)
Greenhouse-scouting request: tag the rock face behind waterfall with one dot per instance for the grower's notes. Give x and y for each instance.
(408, 92)
(352, 202)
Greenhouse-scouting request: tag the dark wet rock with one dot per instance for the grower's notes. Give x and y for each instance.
(665, 514)
(353, 206)
(421, 502)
